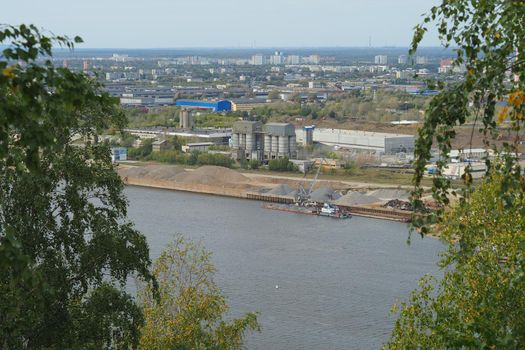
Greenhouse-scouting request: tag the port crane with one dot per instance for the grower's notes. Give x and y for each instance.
(302, 198)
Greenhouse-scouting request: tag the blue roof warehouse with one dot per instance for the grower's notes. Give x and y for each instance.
(215, 106)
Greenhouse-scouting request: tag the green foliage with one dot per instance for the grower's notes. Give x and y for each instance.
(142, 151)
(254, 164)
(224, 148)
(331, 155)
(66, 248)
(213, 120)
(162, 116)
(215, 159)
(274, 95)
(193, 158)
(190, 311)
(282, 164)
(479, 303)
(350, 167)
(487, 36)
(127, 140)
(389, 106)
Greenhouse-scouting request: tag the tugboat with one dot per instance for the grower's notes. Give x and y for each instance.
(305, 205)
(333, 211)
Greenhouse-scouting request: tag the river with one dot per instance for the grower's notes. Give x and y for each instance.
(337, 279)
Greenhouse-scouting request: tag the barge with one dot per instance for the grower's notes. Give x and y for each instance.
(328, 210)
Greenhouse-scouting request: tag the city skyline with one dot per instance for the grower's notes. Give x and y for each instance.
(230, 23)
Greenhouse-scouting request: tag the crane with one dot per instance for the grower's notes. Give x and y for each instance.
(303, 196)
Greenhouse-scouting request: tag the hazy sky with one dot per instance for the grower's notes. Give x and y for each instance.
(225, 23)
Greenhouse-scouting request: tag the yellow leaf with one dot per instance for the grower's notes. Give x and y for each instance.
(502, 115)
(517, 98)
(8, 72)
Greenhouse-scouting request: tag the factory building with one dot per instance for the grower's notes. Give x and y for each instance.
(119, 154)
(215, 106)
(186, 119)
(376, 142)
(308, 135)
(252, 140)
(197, 147)
(279, 141)
(246, 104)
(247, 140)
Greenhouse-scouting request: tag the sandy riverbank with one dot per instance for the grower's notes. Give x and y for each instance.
(221, 181)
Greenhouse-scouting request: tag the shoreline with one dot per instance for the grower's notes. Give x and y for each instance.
(244, 191)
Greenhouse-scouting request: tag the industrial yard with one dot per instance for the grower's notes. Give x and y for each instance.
(360, 198)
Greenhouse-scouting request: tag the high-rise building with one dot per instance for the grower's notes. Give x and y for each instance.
(85, 65)
(294, 59)
(314, 59)
(258, 60)
(421, 60)
(381, 59)
(402, 59)
(277, 58)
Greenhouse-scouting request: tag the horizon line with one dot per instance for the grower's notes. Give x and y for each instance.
(250, 48)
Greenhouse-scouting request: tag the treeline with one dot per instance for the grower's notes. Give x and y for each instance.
(195, 158)
(379, 107)
(169, 116)
(282, 164)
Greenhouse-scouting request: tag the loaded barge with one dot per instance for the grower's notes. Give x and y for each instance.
(328, 210)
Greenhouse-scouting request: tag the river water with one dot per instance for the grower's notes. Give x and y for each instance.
(337, 279)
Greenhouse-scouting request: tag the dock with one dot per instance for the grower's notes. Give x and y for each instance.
(364, 211)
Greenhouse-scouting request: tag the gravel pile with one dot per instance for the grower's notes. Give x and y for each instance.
(281, 190)
(357, 198)
(208, 175)
(322, 194)
(211, 175)
(164, 172)
(390, 193)
(134, 171)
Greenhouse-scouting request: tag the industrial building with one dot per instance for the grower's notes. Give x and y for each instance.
(186, 120)
(197, 146)
(247, 140)
(160, 146)
(215, 106)
(119, 154)
(246, 104)
(379, 143)
(279, 141)
(252, 140)
(308, 135)
(217, 136)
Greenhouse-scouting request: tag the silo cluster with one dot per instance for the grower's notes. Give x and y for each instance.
(279, 141)
(247, 140)
(251, 140)
(186, 119)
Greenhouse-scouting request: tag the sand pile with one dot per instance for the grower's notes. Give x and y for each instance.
(164, 172)
(211, 175)
(390, 193)
(281, 190)
(133, 172)
(357, 198)
(322, 194)
(206, 175)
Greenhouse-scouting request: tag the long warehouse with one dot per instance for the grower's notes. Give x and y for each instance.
(378, 142)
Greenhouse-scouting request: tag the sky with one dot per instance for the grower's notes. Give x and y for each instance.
(225, 23)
